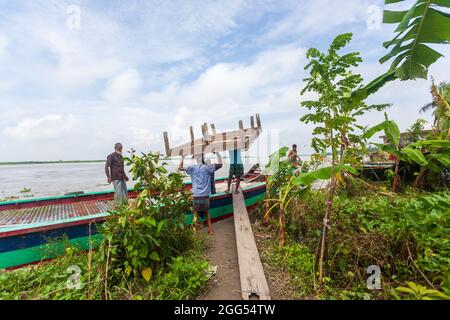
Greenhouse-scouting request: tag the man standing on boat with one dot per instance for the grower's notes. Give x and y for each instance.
(201, 185)
(114, 169)
(236, 169)
(213, 179)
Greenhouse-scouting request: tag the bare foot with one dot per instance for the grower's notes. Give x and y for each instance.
(210, 232)
(227, 191)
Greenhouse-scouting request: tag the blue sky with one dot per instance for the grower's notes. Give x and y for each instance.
(137, 68)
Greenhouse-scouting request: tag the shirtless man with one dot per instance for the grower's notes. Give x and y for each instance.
(293, 156)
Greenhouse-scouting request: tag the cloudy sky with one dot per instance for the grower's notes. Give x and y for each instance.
(129, 70)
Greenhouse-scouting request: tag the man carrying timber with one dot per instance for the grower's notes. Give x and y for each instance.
(201, 186)
(236, 169)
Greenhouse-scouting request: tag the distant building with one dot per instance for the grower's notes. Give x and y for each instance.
(406, 137)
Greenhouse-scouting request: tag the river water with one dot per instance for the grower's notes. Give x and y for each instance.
(59, 179)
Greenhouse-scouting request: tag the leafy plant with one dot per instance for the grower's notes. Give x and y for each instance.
(416, 130)
(441, 106)
(142, 237)
(184, 280)
(424, 23)
(417, 292)
(334, 113)
(430, 154)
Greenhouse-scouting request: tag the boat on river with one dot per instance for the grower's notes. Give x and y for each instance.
(34, 230)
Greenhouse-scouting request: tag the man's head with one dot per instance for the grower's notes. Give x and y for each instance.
(199, 158)
(294, 147)
(118, 147)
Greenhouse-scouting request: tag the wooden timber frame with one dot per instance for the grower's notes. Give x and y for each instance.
(211, 142)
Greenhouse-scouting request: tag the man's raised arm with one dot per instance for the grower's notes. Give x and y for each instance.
(219, 161)
(180, 166)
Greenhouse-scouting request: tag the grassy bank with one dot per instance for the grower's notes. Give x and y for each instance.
(80, 276)
(405, 235)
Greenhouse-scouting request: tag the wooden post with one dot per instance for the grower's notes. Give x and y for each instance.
(166, 143)
(213, 129)
(241, 136)
(205, 132)
(192, 135)
(224, 141)
(258, 121)
(192, 139)
(252, 122)
(205, 136)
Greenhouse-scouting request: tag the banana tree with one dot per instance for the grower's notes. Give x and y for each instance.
(276, 173)
(294, 188)
(425, 23)
(441, 106)
(429, 154)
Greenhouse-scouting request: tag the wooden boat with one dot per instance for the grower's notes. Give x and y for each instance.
(39, 229)
(376, 171)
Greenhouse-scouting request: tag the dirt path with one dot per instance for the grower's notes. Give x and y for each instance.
(222, 252)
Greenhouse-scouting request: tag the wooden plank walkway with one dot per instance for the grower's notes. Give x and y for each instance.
(253, 280)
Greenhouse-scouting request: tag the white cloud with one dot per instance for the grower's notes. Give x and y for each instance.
(3, 46)
(142, 139)
(48, 127)
(122, 87)
(169, 65)
(226, 88)
(310, 18)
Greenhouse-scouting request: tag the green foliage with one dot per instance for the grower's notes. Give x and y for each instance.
(46, 281)
(424, 23)
(402, 234)
(416, 129)
(141, 238)
(298, 261)
(441, 106)
(415, 291)
(185, 279)
(433, 155)
(336, 109)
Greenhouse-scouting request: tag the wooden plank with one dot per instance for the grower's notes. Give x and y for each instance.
(253, 280)
(166, 142)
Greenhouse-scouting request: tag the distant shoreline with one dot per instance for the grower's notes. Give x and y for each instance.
(49, 162)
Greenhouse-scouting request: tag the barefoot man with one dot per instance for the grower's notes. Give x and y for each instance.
(114, 169)
(236, 169)
(293, 156)
(201, 185)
